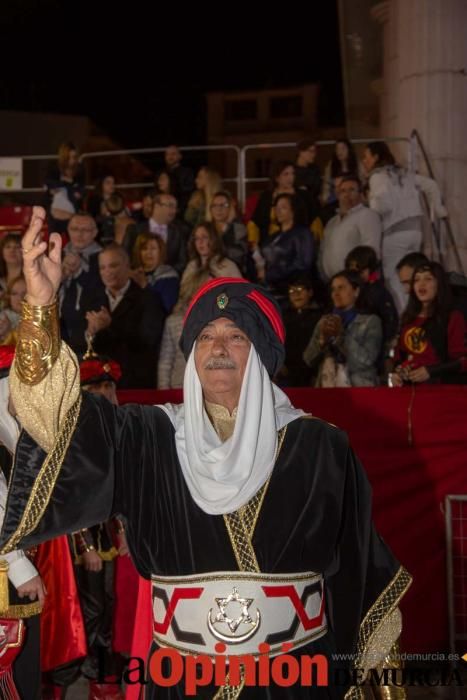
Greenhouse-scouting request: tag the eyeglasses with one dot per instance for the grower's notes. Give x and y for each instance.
(297, 290)
(224, 205)
(77, 229)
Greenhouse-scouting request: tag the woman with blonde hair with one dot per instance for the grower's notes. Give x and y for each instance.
(150, 270)
(208, 182)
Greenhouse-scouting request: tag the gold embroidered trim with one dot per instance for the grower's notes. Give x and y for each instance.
(382, 640)
(252, 509)
(108, 555)
(240, 526)
(240, 540)
(390, 692)
(224, 576)
(38, 343)
(231, 692)
(375, 617)
(354, 693)
(45, 481)
(16, 612)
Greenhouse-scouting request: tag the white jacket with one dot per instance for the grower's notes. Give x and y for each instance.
(395, 195)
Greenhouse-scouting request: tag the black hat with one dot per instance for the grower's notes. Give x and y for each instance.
(249, 306)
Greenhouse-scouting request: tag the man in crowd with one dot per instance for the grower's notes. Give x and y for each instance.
(125, 321)
(172, 231)
(80, 269)
(183, 176)
(234, 497)
(353, 225)
(308, 176)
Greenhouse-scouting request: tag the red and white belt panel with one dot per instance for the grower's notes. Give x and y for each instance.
(241, 610)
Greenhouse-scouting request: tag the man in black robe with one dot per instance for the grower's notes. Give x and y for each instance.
(252, 520)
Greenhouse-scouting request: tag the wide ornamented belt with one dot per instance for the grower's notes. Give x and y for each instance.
(238, 609)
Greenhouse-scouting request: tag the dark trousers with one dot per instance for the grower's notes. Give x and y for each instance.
(27, 666)
(96, 592)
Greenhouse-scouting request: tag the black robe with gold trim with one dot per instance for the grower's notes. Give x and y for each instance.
(316, 516)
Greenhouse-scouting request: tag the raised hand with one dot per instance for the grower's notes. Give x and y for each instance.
(41, 267)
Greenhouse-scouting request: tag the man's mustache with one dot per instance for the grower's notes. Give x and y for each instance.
(220, 363)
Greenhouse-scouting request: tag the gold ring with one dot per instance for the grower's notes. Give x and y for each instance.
(26, 250)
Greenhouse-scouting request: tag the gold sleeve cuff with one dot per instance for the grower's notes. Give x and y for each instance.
(38, 342)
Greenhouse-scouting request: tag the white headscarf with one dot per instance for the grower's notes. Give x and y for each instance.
(222, 476)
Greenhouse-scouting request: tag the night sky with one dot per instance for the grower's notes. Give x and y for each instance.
(141, 74)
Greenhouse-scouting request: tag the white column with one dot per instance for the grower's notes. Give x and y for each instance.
(431, 94)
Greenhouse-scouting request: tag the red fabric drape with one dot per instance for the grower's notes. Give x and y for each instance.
(142, 631)
(413, 446)
(63, 637)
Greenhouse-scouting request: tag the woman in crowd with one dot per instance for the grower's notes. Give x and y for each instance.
(230, 229)
(300, 319)
(207, 257)
(207, 182)
(149, 254)
(171, 364)
(346, 343)
(165, 183)
(374, 296)
(11, 260)
(394, 194)
(343, 162)
(292, 250)
(11, 314)
(65, 188)
(263, 223)
(96, 204)
(432, 344)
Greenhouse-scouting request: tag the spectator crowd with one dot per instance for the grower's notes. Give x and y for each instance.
(339, 249)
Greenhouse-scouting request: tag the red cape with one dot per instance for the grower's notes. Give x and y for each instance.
(63, 636)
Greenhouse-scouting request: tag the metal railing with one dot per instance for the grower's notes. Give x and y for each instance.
(160, 150)
(242, 177)
(456, 529)
(417, 147)
(245, 180)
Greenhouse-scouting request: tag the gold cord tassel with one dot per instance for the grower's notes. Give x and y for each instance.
(4, 597)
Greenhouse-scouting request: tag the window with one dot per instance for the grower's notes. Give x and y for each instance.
(283, 107)
(240, 110)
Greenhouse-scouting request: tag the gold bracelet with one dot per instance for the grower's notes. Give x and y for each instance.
(38, 343)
